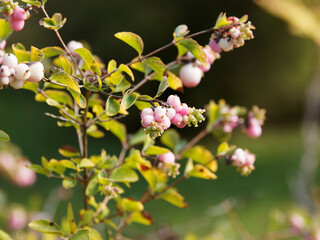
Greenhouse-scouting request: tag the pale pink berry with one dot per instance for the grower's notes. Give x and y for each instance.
(17, 218)
(174, 101)
(205, 68)
(17, 84)
(225, 44)
(73, 45)
(16, 25)
(254, 129)
(159, 117)
(177, 120)
(210, 55)
(24, 176)
(36, 72)
(239, 157)
(147, 111)
(19, 14)
(166, 123)
(215, 46)
(184, 109)
(7, 162)
(4, 80)
(167, 158)
(182, 125)
(147, 120)
(190, 75)
(160, 110)
(10, 60)
(5, 71)
(250, 158)
(22, 72)
(227, 128)
(234, 32)
(297, 222)
(171, 113)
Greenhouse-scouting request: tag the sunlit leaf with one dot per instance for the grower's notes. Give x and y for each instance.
(45, 226)
(131, 39)
(124, 174)
(4, 137)
(196, 50)
(128, 100)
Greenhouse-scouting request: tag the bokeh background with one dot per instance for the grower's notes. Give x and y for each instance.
(272, 71)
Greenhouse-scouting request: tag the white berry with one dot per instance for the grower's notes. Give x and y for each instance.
(22, 72)
(225, 44)
(190, 75)
(36, 72)
(10, 60)
(4, 71)
(17, 84)
(73, 45)
(4, 80)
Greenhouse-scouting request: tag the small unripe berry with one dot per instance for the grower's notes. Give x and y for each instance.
(190, 75)
(36, 72)
(239, 157)
(234, 32)
(225, 44)
(22, 72)
(16, 84)
(10, 60)
(205, 68)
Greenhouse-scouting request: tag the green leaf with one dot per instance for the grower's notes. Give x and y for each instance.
(222, 21)
(65, 64)
(66, 79)
(124, 174)
(155, 150)
(81, 234)
(36, 54)
(130, 205)
(118, 129)
(92, 187)
(86, 55)
(20, 52)
(43, 2)
(71, 220)
(5, 29)
(112, 65)
(195, 49)
(56, 166)
(68, 183)
(174, 82)
(86, 163)
(59, 96)
(38, 169)
(157, 66)
(131, 39)
(126, 69)
(149, 175)
(52, 51)
(170, 138)
(141, 217)
(141, 104)
(4, 137)
(32, 2)
(80, 99)
(68, 164)
(201, 171)
(172, 196)
(68, 151)
(4, 235)
(112, 107)
(45, 226)
(199, 154)
(122, 85)
(162, 86)
(31, 86)
(128, 100)
(54, 23)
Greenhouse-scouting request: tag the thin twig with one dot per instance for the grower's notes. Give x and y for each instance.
(55, 83)
(61, 118)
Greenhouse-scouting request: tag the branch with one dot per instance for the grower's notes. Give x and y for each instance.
(62, 118)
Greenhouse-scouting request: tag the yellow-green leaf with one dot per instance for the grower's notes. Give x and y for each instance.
(201, 171)
(4, 137)
(45, 226)
(52, 51)
(172, 196)
(5, 29)
(128, 100)
(124, 174)
(36, 54)
(141, 217)
(196, 49)
(112, 106)
(131, 39)
(86, 55)
(156, 150)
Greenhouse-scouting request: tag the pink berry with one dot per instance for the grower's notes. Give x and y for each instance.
(147, 111)
(190, 75)
(167, 158)
(19, 14)
(147, 120)
(254, 130)
(174, 101)
(215, 46)
(239, 157)
(17, 84)
(166, 123)
(16, 25)
(4, 80)
(24, 176)
(17, 218)
(3, 44)
(209, 54)
(250, 158)
(184, 109)
(234, 32)
(181, 125)
(205, 68)
(171, 113)
(160, 110)
(177, 120)
(159, 117)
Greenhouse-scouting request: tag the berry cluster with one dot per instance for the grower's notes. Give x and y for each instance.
(16, 74)
(243, 160)
(168, 165)
(156, 120)
(2, 51)
(192, 72)
(14, 14)
(233, 37)
(230, 118)
(256, 119)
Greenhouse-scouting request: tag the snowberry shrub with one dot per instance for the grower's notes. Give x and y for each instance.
(92, 96)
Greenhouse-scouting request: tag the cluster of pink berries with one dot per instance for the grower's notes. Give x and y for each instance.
(243, 160)
(301, 226)
(232, 38)
(256, 119)
(15, 168)
(2, 51)
(14, 14)
(156, 120)
(168, 165)
(16, 74)
(230, 118)
(192, 72)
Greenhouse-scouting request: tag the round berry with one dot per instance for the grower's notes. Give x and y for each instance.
(16, 84)
(147, 111)
(167, 158)
(147, 120)
(166, 123)
(177, 120)
(5, 71)
(215, 46)
(225, 44)
(36, 72)
(19, 14)
(190, 75)
(73, 45)
(160, 110)
(16, 25)
(22, 72)
(184, 110)
(171, 113)
(4, 80)
(10, 60)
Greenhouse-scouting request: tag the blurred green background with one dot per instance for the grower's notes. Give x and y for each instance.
(271, 71)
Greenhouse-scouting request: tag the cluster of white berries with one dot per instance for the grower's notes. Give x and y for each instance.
(192, 72)
(2, 51)
(243, 160)
(234, 37)
(15, 74)
(156, 120)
